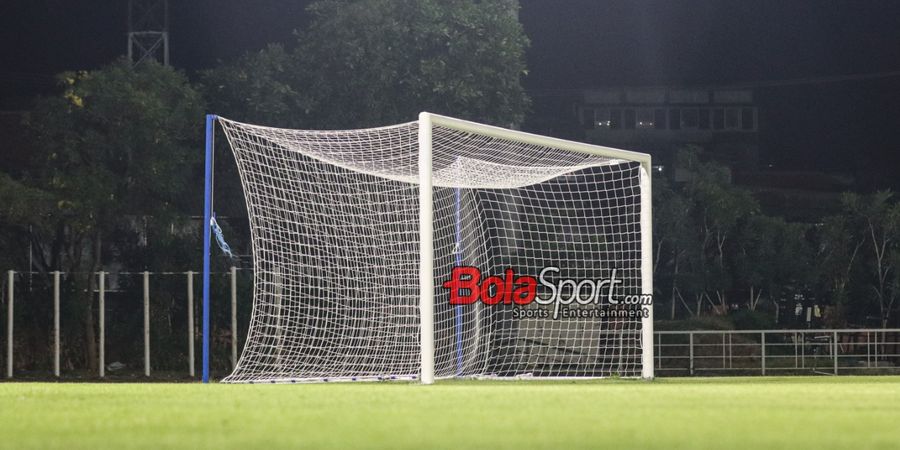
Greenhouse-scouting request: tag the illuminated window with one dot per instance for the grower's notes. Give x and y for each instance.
(615, 119)
(645, 118)
(601, 118)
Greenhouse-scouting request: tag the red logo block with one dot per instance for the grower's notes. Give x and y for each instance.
(507, 289)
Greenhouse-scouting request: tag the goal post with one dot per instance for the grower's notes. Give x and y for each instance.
(426, 248)
(647, 371)
(354, 234)
(207, 228)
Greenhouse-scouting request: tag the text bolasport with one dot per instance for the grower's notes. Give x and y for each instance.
(467, 287)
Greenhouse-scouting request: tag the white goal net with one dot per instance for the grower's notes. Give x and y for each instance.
(350, 265)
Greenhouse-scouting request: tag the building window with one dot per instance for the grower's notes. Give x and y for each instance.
(645, 118)
(675, 119)
(747, 122)
(703, 119)
(659, 119)
(601, 118)
(718, 119)
(587, 117)
(689, 118)
(731, 118)
(630, 119)
(615, 119)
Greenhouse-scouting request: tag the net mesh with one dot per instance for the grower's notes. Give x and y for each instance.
(334, 221)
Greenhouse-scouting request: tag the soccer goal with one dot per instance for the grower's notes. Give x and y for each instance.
(440, 248)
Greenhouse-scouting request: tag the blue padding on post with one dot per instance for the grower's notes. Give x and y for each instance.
(207, 217)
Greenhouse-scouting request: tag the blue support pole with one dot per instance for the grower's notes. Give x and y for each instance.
(207, 218)
(459, 311)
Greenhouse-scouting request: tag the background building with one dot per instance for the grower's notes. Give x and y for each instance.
(659, 120)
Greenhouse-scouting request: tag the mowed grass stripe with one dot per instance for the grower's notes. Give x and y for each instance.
(715, 413)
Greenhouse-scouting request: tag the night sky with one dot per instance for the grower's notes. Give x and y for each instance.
(845, 126)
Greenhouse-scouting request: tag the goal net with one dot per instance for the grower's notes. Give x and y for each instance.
(355, 233)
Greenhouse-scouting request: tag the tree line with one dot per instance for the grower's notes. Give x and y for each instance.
(717, 253)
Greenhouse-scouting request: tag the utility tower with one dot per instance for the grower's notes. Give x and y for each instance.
(148, 31)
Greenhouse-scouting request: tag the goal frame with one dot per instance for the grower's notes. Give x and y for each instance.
(426, 123)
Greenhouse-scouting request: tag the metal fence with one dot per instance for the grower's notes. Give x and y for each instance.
(100, 296)
(770, 352)
(677, 353)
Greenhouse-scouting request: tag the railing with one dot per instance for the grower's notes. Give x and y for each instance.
(677, 353)
(768, 352)
(100, 295)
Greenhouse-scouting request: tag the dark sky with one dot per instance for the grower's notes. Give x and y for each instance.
(713, 41)
(575, 43)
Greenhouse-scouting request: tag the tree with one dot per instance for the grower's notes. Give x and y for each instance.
(375, 62)
(383, 61)
(839, 242)
(770, 254)
(117, 149)
(858, 257)
(718, 208)
(672, 235)
(877, 217)
(20, 207)
(262, 87)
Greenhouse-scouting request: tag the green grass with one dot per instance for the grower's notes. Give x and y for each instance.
(723, 413)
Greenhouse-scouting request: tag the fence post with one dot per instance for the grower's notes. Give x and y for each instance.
(146, 323)
(868, 350)
(11, 292)
(834, 352)
(691, 351)
(763, 351)
(234, 333)
(56, 323)
(802, 350)
(875, 347)
(723, 350)
(659, 351)
(190, 319)
(730, 351)
(796, 352)
(102, 314)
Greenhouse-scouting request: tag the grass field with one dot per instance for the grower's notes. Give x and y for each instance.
(721, 413)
